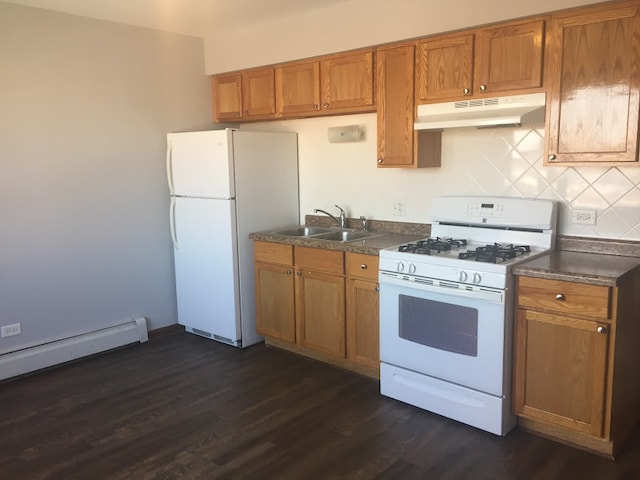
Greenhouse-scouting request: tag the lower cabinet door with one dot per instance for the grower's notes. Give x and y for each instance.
(560, 370)
(275, 310)
(320, 312)
(363, 337)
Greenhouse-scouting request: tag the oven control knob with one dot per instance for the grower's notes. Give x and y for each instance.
(400, 267)
(412, 268)
(477, 278)
(463, 276)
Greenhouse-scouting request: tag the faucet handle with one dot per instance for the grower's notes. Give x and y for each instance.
(341, 209)
(364, 223)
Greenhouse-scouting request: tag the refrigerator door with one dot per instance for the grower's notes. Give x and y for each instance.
(204, 235)
(200, 164)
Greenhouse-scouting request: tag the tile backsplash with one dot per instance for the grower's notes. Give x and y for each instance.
(509, 162)
(493, 161)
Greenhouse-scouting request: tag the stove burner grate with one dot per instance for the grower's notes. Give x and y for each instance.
(432, 245)
(496, 253)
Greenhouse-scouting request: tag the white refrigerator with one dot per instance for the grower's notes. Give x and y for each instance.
(225, 184)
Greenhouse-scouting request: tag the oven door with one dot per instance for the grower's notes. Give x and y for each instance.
(454, 334)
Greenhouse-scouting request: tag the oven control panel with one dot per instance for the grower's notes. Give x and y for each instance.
(485, 209)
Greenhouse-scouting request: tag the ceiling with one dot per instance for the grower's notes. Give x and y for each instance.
(189, 17)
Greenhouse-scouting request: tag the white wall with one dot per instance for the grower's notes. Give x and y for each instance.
(84, 108)
(349, 24)
(503, 161)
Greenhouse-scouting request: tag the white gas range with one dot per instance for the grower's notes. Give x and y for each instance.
(446, 307)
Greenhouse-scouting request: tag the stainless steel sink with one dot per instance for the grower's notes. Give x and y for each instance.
(346, 236)
(322, 233)
(302, 231)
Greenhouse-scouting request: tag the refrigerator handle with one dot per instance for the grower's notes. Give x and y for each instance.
(170, 168)
(172, 223)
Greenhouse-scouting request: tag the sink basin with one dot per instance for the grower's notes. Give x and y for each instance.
(346, 236)
(302, 231)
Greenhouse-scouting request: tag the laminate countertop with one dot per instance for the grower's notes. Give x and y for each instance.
(369, 246)
(592, 268)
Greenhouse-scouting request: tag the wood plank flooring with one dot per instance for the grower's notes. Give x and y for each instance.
(182, 406)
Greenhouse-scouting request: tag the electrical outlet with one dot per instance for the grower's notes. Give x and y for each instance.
(399, 207)
(584, 217)
(10, 330)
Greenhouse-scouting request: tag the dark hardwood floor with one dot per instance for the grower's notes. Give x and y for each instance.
(181, 406)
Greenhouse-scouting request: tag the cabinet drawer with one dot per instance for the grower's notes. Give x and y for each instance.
(565, 297)
(363, 266)
(273, 253)
(330, 261)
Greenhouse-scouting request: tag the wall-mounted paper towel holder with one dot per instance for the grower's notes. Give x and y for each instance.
(348, 133)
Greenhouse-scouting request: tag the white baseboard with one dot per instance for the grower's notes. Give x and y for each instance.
(71, 348)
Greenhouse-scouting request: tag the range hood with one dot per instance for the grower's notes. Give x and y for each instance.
(482, 112)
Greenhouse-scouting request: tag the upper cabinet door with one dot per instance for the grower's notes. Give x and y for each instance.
(258, 93)
(395, 67)
(347, 82)
(594, 77)
(298, 88)
(227, 97)
(509, 57)
(445, 68)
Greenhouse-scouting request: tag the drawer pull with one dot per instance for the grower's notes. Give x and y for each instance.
(560, 297)
(601, 330)
(363, 266)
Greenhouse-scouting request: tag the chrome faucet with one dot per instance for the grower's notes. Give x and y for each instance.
(343, 218)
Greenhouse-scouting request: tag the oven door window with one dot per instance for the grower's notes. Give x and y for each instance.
(452, 328)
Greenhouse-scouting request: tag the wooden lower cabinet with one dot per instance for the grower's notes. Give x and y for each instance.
(564, 370)
(575, 344)
(320, 301)
(306, 304)
(274, 279)
(363, 339)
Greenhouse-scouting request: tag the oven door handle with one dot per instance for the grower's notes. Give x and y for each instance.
(453, 289)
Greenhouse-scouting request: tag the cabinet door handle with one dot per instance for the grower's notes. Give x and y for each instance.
(325, 105)
(483, 88)
(299, 273)
(363, 266)
(601, 329)
(288, 272)
(552, 156)
(560, 297)
(380, 161)
(466, 91)
(377, 288)
(316, 106)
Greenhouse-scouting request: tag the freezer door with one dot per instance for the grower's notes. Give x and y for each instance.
(199, 164)
(205, 266)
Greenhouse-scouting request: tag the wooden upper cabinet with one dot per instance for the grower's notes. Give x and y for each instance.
(298, 88)
(258, 93)
(509, 57)
(347, 82)
(593, 74)
(227, 97)
(335, 84)
(399, 145)
(247, 95)
(395, 104)
(445, 68)
(504, 58)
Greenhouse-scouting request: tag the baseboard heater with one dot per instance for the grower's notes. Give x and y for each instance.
(71, 348)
